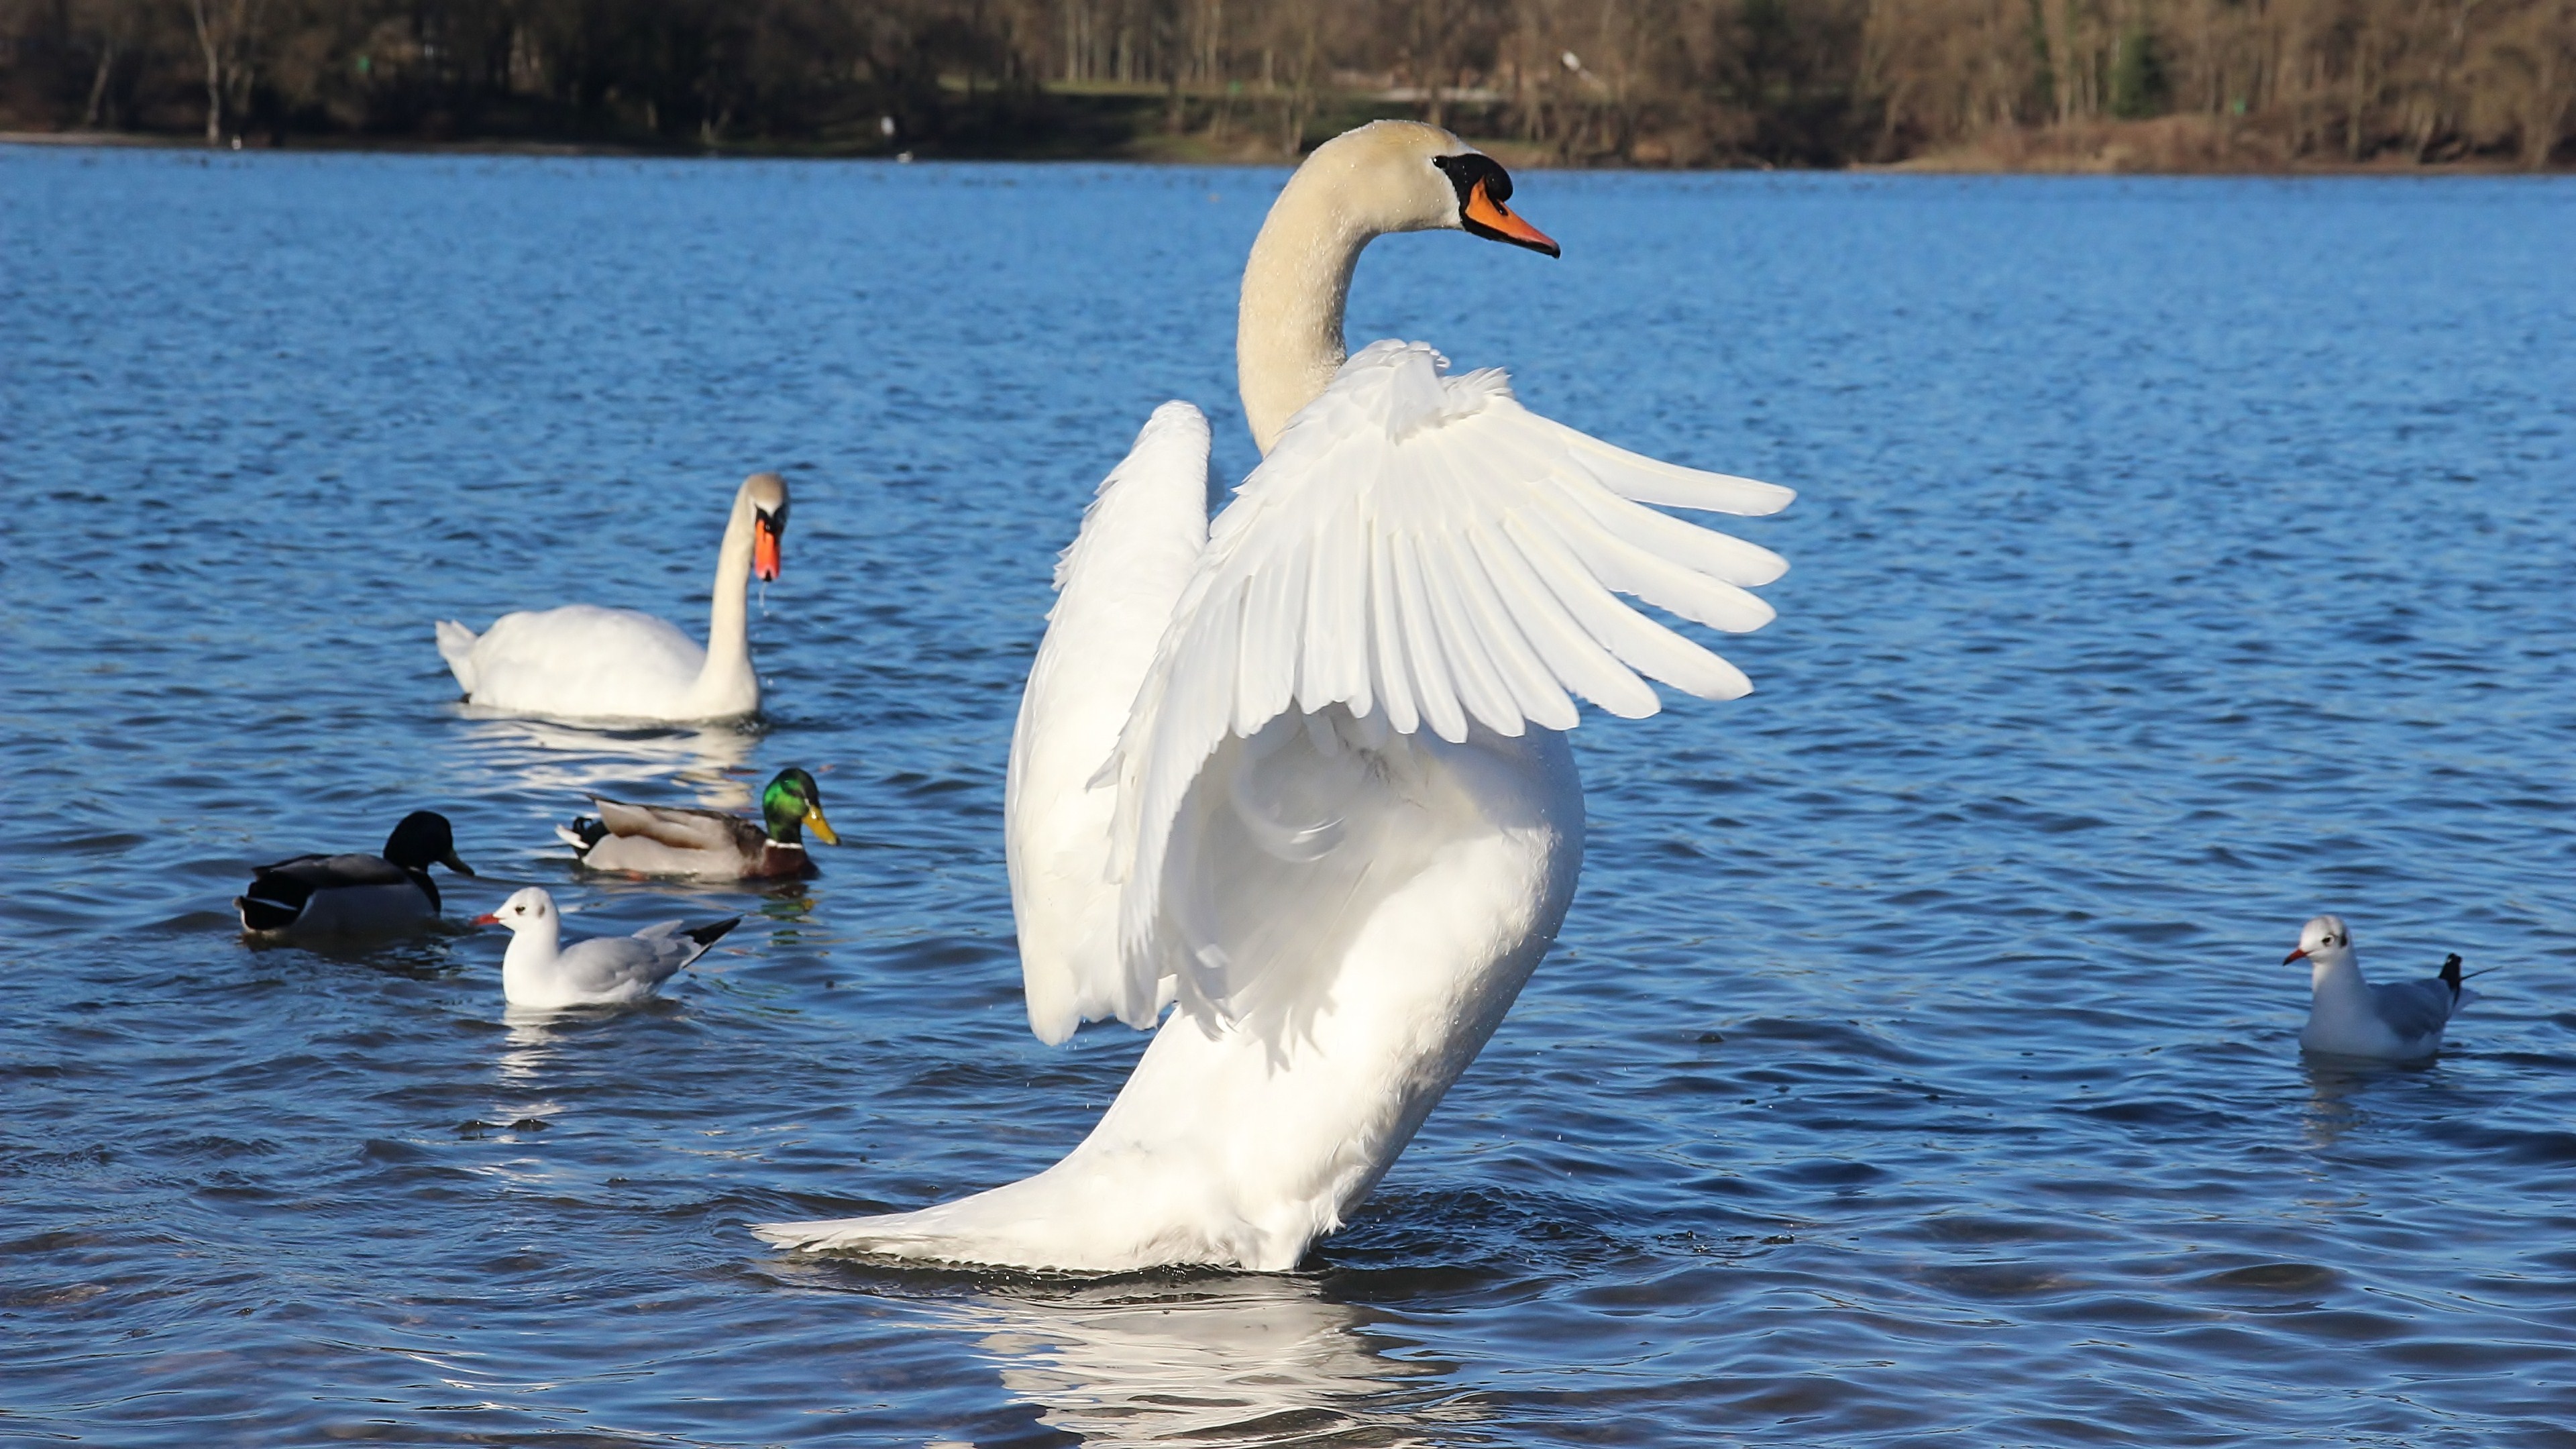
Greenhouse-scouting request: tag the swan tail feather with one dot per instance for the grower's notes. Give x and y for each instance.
(456, 646)
(894, 1235)
(1005, 1227)
(1091, 1213)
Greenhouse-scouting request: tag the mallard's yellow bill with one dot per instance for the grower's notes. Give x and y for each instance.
(815, 822)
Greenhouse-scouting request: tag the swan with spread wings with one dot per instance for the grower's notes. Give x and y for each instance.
(1301, 775)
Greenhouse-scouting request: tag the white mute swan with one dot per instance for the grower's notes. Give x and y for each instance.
(1304, 772)
(585, 662)
(2349, 1017)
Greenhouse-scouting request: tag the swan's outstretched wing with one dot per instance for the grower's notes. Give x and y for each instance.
(1419, 552)
(1115, 588)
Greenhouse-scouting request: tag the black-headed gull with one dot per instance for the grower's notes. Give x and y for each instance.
(539, 971)
(2349, 1017)
(339, 896)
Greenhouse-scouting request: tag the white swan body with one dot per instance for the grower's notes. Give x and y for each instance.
(1329, 810)
(539, 972)
(586, 662)
(2349, 1017)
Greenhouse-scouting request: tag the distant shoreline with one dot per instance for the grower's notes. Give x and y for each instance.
(2100, 158)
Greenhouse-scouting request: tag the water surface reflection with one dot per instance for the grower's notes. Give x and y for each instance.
(1209, 1360)
(576, 762)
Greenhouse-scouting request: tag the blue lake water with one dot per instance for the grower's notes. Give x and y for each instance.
(2176, 559)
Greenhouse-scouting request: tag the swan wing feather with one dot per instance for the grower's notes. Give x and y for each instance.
(1116, 584)
(1423, 549)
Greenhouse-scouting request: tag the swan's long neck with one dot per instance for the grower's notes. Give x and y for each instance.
(1288, 333)
(728, 621)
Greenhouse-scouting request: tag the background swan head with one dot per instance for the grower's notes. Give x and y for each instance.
(2323, 942)
(766, 496)
(1386, 176)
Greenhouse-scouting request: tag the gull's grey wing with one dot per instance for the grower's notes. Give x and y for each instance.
(608, 965)
(605, 966)
(2415, 1008)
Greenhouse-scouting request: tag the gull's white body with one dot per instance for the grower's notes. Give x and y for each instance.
(1308, 778)
(539, 972)
(582, 661)
(2349, 1017)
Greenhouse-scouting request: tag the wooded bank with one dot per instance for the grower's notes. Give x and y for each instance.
(2109, 84)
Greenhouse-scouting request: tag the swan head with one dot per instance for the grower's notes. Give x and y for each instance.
(792, 804)
(530, 907)
(1405, 176)
(2324, 941)
(766, 494)
(422, 840)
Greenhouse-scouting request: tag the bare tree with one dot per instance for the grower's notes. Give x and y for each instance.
(227, 32)
(1632, 82)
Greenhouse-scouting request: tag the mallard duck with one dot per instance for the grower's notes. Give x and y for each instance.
(314, 896)
(539, 971)
(705, 844)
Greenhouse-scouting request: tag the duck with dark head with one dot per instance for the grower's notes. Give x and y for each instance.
(341, 897)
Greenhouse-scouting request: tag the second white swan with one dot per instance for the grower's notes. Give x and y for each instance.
(582, 661)
(1304, 772)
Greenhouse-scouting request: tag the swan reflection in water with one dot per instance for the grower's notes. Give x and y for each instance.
(711, 762)
(1209, 1360)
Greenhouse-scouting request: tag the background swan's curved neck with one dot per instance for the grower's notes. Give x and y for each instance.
(1288, 332)
(728, 622)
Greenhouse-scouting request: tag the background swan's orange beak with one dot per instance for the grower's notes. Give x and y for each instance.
(1485, 211)
(764, 550)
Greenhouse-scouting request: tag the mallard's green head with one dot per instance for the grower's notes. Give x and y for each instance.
(791, 804)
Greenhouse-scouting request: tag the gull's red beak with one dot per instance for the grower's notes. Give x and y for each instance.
(2300, 954)
(1497, 222)
(764, 549)
(485, 919)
